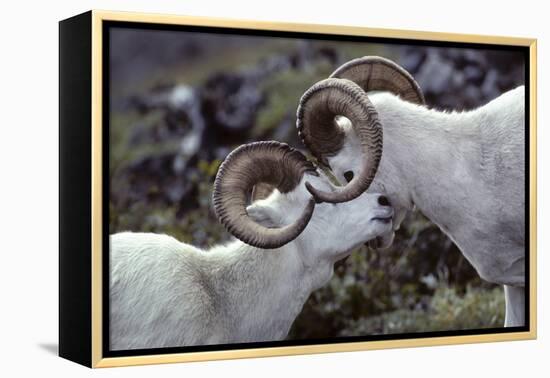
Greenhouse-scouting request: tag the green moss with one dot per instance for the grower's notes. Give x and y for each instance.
(122, 124)
(195, 72)
(285, 89)
(209, 169)
(283, 94)
(476, 309)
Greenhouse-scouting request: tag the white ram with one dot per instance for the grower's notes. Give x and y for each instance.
(464, 170)
(165, 293)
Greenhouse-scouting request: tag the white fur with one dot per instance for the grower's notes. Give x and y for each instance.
(465, 171)
(166, 293)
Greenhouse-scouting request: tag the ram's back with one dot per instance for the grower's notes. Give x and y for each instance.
(503, 136)
(158, 293)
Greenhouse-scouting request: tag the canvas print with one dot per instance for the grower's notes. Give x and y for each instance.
(273, 189)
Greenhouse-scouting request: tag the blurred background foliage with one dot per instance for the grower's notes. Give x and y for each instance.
(181, 101)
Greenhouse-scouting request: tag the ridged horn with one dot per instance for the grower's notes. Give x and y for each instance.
(317, 127)
(272, 163)
(374, 73)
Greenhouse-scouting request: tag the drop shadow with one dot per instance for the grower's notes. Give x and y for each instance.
(51, 348)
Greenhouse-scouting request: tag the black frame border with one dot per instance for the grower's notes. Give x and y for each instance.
(75, 183)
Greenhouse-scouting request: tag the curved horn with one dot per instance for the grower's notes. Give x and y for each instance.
(374, 73)
(316, 125)
(273, 163)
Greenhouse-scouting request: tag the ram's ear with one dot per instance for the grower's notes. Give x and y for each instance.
(262, 214)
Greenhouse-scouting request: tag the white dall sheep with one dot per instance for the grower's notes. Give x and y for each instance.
(464, 170)
(164, 293)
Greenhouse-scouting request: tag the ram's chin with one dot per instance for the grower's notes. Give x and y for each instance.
(381, 242)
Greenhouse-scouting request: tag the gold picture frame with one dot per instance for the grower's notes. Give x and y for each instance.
(91, 334)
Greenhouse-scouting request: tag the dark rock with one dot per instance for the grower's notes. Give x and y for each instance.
(435, 74)
(475, 57)
(413, 60)
(329, 54)
(180, 105)
(474, 74)
(302, 55)
(489, 88)
(230, 102)
(151, 179)
(462, 78)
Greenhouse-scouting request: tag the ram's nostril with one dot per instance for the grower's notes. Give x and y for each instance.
(348, 175)
(384, 201)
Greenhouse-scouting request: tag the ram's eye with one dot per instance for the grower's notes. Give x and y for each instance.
(348, 176)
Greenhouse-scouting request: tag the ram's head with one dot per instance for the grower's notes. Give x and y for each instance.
(261, 197)
(345, 94)
(339, 125)
(265, 165)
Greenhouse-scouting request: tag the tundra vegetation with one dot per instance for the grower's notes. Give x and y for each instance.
(175, 118)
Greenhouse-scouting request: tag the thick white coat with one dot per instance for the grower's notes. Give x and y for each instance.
(465, 171)
(165, 293)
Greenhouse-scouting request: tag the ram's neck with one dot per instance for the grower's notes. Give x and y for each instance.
(262, 291)
(430, 159)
